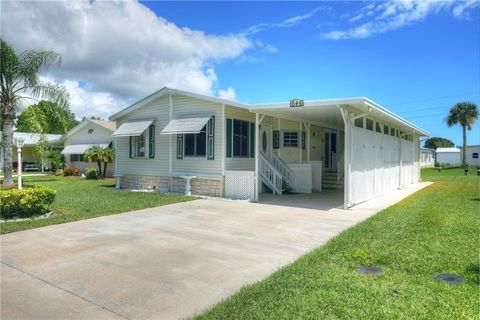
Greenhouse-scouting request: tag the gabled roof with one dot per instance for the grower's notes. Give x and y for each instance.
(445, 150)
(109, 125)
(166, 90)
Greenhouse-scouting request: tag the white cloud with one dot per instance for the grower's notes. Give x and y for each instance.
(393, 15)
(121, 49)
(286, 23)
(228, 94)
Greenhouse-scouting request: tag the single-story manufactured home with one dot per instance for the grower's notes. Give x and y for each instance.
(87, 133)
(427, 157)
(473, 152)
(173, 140)
(448, 156)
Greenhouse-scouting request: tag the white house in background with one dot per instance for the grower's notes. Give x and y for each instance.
(87, 133)
(448, 156)
(30, 160)
(473, 153)
(427, 157)
(235, 150)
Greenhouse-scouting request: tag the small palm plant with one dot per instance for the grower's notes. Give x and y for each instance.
(95, 154)
(465, 114)
(107, 157)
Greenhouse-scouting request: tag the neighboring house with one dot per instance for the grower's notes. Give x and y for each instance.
(427, 157)
(473, 153)
(238, 151)
(86, 134)
(448, 156)
(30, 159)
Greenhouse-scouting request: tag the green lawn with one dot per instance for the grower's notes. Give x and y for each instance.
(78, 199)
(434, 231)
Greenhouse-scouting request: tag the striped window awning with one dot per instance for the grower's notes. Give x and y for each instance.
(132, 128)
(81, 148)
(186, 125)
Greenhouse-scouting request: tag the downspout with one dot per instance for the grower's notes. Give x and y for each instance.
(170, 147)
(257, 178)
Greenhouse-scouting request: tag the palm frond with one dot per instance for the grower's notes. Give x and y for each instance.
(52, 92)
(34, 61)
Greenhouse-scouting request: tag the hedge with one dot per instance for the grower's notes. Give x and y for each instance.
(25, 203)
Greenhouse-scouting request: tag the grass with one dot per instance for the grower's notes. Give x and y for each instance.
(79, 199)
(434, 231)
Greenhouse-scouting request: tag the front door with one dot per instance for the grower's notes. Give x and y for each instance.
(330, 150)
(266, 140)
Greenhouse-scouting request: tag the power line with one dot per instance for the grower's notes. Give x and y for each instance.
(427, 116)
(422, 109)
(431, 99)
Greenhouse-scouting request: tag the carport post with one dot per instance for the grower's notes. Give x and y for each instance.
(346, 156)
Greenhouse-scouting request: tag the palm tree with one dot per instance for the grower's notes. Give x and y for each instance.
(19, 81)
(465, 114)
(107, 157)
(95, 154)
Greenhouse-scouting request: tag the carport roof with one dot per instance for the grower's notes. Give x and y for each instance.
(325, 112)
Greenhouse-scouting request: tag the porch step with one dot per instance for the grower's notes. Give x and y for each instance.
(330, 180)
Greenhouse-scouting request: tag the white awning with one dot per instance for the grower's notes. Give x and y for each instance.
(81, 148)
(186, 125)
(132, 128)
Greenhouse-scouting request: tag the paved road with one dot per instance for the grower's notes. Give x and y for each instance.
(162, 263)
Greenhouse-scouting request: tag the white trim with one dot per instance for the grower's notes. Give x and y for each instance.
(170, 144)
(257, 133)
(224, 139)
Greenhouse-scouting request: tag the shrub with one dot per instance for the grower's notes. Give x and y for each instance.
(59, 172)
(91, 173)
(67, 172)
(437, 164)
(26, 202)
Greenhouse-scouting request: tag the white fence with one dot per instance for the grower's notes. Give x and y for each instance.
(240, 184)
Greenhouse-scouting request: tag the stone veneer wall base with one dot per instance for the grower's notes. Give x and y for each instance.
(199, 186)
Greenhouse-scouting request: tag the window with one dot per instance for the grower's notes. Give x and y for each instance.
(392, 132)
(139, 143)
(241, 134)
(386, 129)
(359, 122)
(196, 143)
(76, 157)
(264, 142)
(369, 124)
(151, 141)
(290, 139)
(378, 128)
(475, 155)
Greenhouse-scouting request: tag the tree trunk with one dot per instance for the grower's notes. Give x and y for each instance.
(99, 163)
(104, 169)
(7, 146)
(464, 144)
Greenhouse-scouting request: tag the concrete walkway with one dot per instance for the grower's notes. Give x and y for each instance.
(162, 263)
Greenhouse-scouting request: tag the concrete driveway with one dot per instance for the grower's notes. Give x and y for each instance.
(162, 263)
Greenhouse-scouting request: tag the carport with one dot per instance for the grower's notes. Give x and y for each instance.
(380, 149)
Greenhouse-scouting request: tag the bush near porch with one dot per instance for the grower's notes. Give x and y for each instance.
(79, 198)
(431, 232)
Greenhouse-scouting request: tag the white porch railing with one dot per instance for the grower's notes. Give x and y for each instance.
(270, 175)
(286, 172)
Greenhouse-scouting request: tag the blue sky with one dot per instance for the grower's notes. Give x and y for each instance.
(416, 58)
(434, 61)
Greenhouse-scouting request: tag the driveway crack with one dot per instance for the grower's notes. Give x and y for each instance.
(65, 290)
